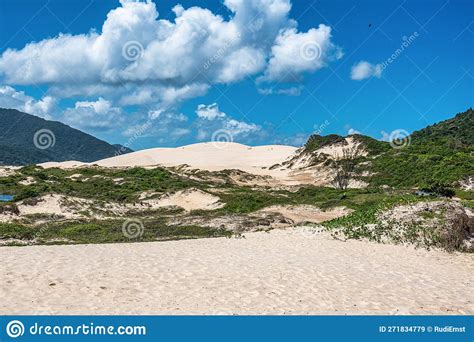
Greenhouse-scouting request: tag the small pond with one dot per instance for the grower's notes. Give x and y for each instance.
(6, 198)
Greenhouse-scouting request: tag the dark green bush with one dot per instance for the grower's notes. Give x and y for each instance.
(439, 188)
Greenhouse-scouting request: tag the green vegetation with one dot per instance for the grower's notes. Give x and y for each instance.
(246, 200)
(99, 185)
(454, 134)
(425, 228)
(125, 185)
(317, 141)
(441, 153)
(439, 188)
(434, 161)
(104, 231)
(17, 231)
(416, 165)
(122, 185)
(372, 146)
(17, 146)
(355, 224)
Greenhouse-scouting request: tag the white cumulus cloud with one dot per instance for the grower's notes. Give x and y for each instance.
(11, 98)
(139, 58)
(209, 112)
(352, 131)
(93, 115)
(364, 69)
(164, 127)
(211, 119)
(295, 53)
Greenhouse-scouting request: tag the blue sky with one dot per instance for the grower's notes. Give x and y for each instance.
(328, 90)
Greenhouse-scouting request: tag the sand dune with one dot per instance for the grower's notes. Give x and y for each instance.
(307, 213)
(190, 199)
(279, 164)
(210, 156)
(294, 271)
(66, 164)
(213, 156)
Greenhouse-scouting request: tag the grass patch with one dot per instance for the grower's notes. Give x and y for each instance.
(107, 231)
(246, 200)
(95, 183)
(16, 231)
(355, 225)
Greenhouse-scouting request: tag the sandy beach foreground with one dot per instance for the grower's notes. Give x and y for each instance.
(295, 271)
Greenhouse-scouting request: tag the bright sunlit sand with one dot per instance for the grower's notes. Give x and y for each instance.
(295, 271)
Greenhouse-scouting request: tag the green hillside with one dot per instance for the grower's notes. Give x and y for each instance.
(443, 152)
(17, 145)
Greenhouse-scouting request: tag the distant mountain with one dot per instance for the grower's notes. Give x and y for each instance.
(28, 139)
(443, 152)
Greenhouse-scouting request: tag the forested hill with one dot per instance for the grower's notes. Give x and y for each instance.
(443, 152)
(28, 139)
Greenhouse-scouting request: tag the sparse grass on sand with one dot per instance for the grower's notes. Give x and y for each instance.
(102, 185)
(104, 231)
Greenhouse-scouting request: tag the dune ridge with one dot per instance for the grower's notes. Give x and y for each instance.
(213, 156)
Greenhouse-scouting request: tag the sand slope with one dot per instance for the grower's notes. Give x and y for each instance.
(213, 156)
(279, 164)
(295, 271)
(210, 156)
(190, 199)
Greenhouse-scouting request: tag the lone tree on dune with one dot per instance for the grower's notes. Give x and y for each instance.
(345, 166)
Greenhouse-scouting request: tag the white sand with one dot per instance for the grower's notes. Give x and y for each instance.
(65, 165)
(28, 181)
(54, 205)
(6, 171)
(190, 199)
(211, 156)
(73, 207)
(307, 213)
(283, 272)
(336, 151)
(216, 156)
